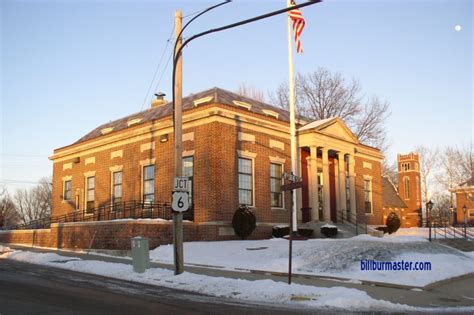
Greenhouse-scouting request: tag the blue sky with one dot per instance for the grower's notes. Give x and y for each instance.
(68, 66)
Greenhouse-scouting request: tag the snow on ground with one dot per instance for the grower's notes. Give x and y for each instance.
(4, 249)
(330, 257)
(266, 291)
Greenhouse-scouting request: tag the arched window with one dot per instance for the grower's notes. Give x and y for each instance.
(406, 182)
(417, 192)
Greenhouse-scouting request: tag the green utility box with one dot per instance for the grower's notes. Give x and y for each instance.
(140, 254)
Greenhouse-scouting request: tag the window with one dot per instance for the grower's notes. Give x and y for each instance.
(149, 183)
(406, 182)
(245, 182)
(368, 195)
(417, 192)
(348, 187)
(67, 190)
(406, 167)
(188, 171)
(116, 187)
(471, 213)
(320, 192)
(276, 171)
(90, 193)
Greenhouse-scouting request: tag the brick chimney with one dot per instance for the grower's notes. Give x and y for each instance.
(159, 100)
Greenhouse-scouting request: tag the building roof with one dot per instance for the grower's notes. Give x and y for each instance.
(214, 95)
(391, 198)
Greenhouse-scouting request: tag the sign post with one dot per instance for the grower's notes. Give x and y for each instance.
(295, 182)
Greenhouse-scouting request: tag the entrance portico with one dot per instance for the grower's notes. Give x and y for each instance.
(327, 148)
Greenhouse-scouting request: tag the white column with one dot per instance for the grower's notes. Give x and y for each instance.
(314, 202)
(352, 183)
(342, 185)
(326, 193)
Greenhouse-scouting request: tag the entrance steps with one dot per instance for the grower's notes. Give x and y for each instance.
(345, 230)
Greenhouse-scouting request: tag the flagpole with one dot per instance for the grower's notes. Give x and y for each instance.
(292, 117)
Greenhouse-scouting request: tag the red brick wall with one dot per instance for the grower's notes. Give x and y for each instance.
(117, 234)
(215, 173)
(462, 199)
(375, 173)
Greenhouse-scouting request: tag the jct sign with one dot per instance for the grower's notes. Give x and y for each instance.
(180, 200)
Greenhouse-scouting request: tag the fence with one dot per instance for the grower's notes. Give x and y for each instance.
(122, 210)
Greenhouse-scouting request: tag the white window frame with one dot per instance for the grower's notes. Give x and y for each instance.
(86, 194)
(143, 182)
(64, 180)
(371, 195)
(281, 183)
(250, 156)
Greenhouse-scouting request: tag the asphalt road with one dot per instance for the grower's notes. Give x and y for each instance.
(34, 289)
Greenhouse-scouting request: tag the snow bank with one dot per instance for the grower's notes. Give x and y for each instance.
(330, 257)
(4, 249)
(267, 291)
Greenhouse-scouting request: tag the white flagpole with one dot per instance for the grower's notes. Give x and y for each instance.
(292, 115)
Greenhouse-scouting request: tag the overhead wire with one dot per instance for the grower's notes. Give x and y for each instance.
(170, 37)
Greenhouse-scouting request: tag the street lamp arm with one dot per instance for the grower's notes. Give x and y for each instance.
(222, 28)
(190, 21)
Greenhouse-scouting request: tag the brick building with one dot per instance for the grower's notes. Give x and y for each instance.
(465, 199)
(409, 187)
(235, 150)
(392, 202)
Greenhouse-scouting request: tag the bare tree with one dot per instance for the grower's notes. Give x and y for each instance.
(429, 160)
(251, 91)
(322, 94)
(456, 167)
(8, 215)
(390, 171)
(35, 203)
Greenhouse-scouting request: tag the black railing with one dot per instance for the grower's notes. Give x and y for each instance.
(117, 211)
(353, 220)
(443, 231)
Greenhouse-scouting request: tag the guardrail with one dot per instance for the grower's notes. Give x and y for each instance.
(117, 211)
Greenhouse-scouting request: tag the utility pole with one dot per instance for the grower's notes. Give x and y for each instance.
(178, 148)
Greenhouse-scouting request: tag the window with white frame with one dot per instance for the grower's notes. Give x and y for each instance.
(67, 194)
(117, 178)
(245, 171)
(90, 193)
(368, 195)
(276, 171)
(149, 183)
(188, 171)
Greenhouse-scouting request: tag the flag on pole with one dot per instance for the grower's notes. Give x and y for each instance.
(298, 26)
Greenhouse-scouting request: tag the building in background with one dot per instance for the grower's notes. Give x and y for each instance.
(409, 187)
(465, 201)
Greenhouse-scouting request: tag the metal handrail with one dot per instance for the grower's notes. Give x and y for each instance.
(352, 219)
(111, 211)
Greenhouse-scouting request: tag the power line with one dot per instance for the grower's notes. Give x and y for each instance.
(157, 68)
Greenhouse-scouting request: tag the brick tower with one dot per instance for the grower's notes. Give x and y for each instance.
(409, 187)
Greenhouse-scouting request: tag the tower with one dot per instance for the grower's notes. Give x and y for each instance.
(409, 187)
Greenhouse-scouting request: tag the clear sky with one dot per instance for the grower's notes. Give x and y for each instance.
(68, 66)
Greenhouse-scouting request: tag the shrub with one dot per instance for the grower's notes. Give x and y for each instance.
(393, 222)
(244, 221)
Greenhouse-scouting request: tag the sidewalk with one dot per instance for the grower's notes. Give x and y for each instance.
(454, 292)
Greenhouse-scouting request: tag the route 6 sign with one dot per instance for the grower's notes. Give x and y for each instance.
(180, 201)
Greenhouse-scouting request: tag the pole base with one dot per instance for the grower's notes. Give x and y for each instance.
(296, 237)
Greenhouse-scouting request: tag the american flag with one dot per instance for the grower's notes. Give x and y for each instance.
(298, 25)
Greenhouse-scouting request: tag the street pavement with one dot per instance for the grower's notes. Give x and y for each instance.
(452, 293)
(33, 289)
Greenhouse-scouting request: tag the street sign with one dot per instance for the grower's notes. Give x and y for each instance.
(181, 184)
(180, 201)
(291, 186)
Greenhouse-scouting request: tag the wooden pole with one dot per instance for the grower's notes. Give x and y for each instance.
(178, 149)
